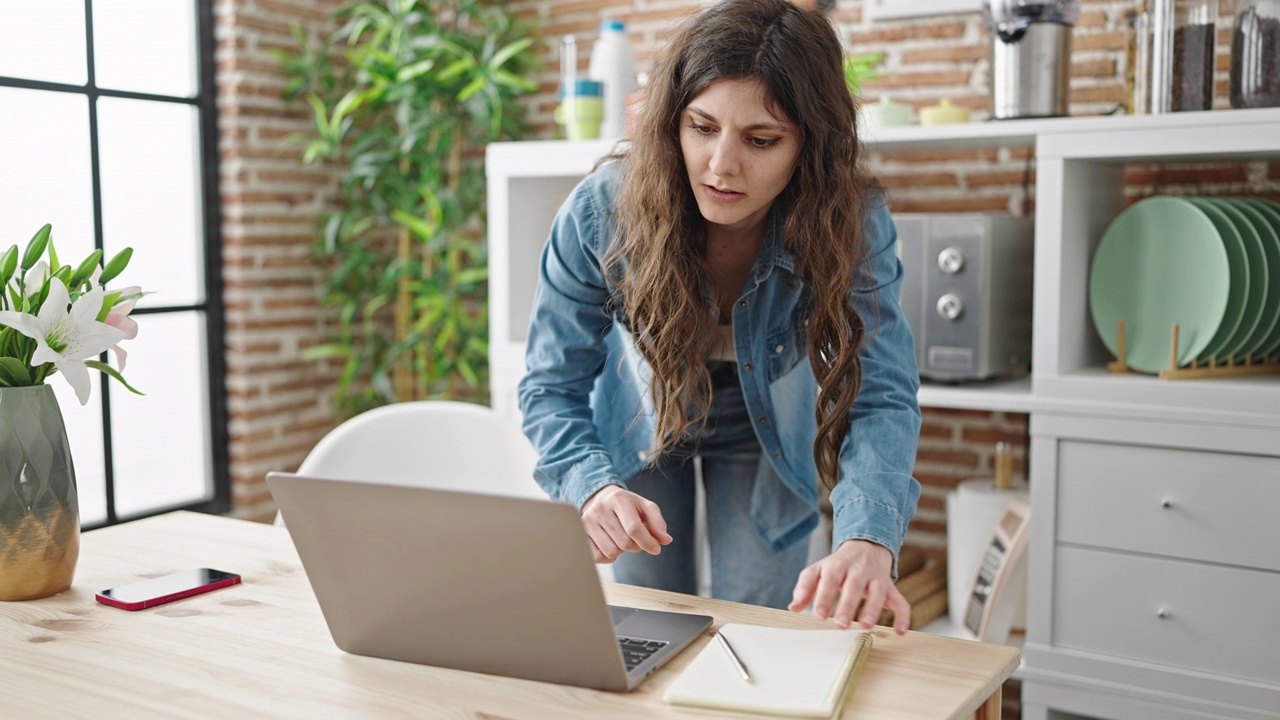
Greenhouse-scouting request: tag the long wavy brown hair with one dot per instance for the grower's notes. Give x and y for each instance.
(658, 265)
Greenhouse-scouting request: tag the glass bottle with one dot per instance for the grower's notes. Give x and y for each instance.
(1183, 38)
(1255, 54)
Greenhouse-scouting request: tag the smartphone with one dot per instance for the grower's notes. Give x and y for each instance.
(158, 591)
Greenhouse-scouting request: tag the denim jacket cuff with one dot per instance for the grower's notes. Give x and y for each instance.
(862, 518)
(587, 477)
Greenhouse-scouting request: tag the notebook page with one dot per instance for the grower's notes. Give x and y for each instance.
(795, 673)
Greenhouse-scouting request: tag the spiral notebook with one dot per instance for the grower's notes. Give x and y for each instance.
(794, 673)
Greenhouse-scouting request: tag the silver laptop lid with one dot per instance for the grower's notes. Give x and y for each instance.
(486, 583)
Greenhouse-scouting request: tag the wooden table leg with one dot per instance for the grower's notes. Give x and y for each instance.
(990, 709)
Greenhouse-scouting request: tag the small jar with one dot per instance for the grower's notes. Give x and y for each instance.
(1255, 54)
(1183, 39)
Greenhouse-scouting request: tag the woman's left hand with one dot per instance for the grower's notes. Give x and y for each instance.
(858, 572)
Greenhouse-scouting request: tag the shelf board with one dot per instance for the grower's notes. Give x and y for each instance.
(1247, 401)
(1024, 133)
(1012, 395)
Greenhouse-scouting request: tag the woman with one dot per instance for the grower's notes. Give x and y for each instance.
(698, 297)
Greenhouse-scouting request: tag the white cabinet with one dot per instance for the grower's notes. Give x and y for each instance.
(1106, 449)
(1154, 569)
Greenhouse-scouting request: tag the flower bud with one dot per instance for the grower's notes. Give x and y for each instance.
(8, 263)
(36, 247)
(115, 266)
(64, 274)
(82, 273)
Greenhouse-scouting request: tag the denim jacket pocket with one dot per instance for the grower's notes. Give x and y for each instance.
(786, 348)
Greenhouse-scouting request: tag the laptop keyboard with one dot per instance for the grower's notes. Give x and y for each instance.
(636, 651)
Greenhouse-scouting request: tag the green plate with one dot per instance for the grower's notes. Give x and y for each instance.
(1270, 312)
(1261, 335)
(1259, 274)
(1160, 262)
(1238, 290)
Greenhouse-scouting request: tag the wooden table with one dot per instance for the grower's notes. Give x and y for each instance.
(261, 649)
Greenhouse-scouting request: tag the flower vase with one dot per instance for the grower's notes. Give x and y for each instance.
(39, 509)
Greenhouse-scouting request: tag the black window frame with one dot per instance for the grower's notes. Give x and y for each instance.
(205, 101)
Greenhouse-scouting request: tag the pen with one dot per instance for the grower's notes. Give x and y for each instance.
(742, 669)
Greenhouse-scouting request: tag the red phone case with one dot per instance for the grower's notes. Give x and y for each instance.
(162, 599)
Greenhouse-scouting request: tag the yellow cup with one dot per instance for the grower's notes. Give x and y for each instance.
(580, 114)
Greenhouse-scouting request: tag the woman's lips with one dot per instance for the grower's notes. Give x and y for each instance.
(723, 195)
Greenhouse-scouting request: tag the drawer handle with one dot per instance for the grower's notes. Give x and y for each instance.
(1162, 613)
(1166, 503)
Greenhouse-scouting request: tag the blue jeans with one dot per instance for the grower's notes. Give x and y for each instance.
(743, 568)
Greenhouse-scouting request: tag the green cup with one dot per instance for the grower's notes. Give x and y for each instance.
(580, 114)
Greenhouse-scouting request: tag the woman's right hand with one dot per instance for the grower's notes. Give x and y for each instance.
(619, 521)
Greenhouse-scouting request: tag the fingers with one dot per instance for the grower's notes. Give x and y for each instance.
(873, 602)
(901, 611)
(851, 585)
(657, 524)
(806, 584)
(619, 521)
(824, 598)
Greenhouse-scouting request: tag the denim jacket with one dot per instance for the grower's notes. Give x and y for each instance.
(588, 411)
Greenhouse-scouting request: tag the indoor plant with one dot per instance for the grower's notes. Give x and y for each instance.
(54, 318)
(404, 111)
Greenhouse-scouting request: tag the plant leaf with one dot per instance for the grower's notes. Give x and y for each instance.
(14, 373)
(507, 52)
(115, 374)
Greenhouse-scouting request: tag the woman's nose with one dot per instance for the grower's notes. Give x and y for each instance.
(724, 156)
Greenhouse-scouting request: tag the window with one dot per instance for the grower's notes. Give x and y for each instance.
(108, 131)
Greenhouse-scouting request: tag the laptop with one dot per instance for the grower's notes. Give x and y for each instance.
(486, 583)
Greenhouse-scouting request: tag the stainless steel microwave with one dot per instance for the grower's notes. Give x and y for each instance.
(966, 292)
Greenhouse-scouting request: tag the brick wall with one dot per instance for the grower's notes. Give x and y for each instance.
(279, 406)
(928, 59)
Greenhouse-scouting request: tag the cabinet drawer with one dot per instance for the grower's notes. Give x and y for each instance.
(1216, 507)
(1215, 619)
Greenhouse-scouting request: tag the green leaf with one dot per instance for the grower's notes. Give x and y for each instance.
(471, 276)
(467, 372)
(507, 52)
(36, 247)
(456, 68)
(321, 112)
(509, 79)
(326, 351)
(14, 373)
(415, 224)
(113, 373)
(413, 70)
(115, 266)
(476, 85)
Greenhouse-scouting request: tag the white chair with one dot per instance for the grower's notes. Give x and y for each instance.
(440, 444)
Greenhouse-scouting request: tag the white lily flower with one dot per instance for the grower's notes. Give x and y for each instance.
(66, 334)
(36, 276)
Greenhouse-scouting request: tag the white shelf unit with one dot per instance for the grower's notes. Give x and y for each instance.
(1202, 435)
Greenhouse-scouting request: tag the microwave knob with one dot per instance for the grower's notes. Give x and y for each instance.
(950, 260)
(950, 306)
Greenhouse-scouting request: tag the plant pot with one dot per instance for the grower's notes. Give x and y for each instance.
(39, 509)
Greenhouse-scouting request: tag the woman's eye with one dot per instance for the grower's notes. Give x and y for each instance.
(700, 129)
(765, 142)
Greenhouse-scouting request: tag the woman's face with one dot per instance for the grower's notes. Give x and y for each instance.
(738, 155)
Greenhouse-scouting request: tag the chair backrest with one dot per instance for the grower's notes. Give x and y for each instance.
(440, 444)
